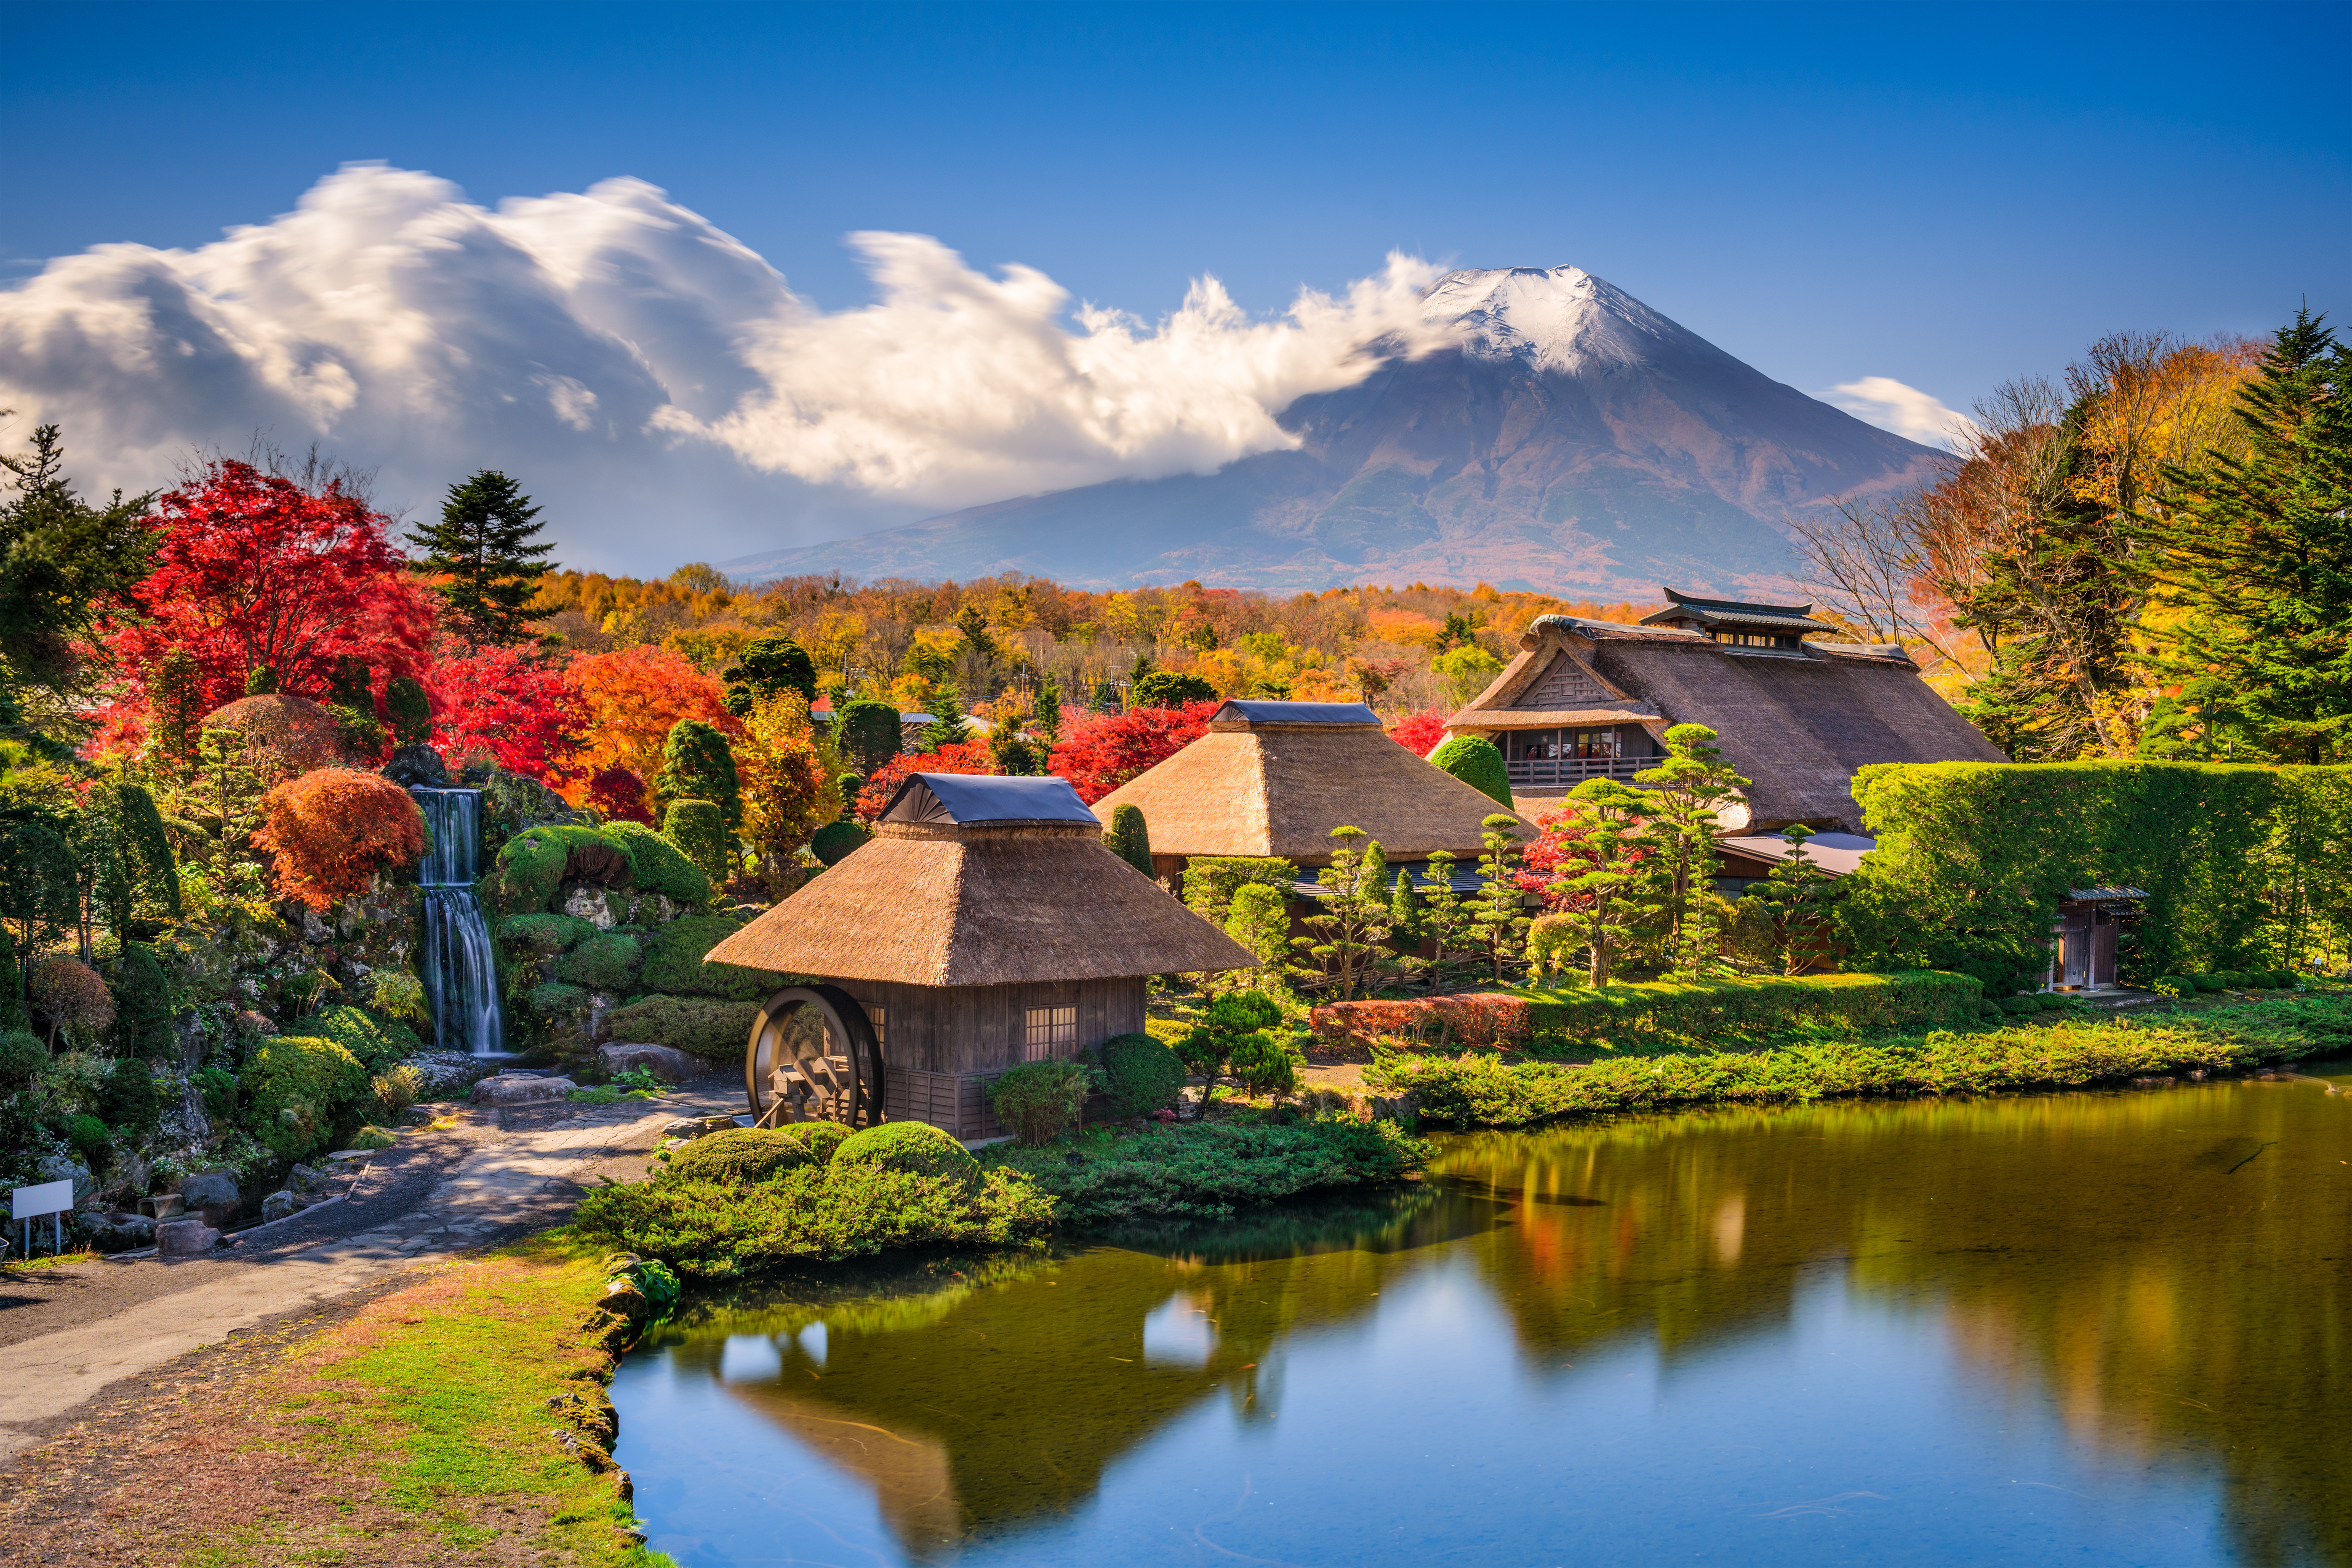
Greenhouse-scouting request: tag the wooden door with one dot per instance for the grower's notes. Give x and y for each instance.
(2074, 947)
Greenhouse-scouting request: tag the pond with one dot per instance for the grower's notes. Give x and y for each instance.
(2105, 1328)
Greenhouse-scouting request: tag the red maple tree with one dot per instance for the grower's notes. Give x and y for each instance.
(332, 830)
(1420, 732)
(620, 796)
(514, 703)
(252, 570)
(963, 757)
(1104, 751)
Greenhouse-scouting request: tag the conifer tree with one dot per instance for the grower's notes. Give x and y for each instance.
(484, 546)
(1688, 791)
(1129, 839)
(1495, 915)
(699, 765)
(1405, 912)
(1047, 719)
(63, 563)
(1351, 920)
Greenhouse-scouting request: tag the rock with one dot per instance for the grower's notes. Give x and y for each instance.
(119, 1232)
(1396, 1108)
(418, 1116)
(183, 1123)
(591, 904)
(666, 1062)
(687, 1128)
(307, 1179)
(210, 1190)
(186, 1238)
(446, 1074)
(61, 1167)
(413, 765)
(278, 1204)
(517, 1089)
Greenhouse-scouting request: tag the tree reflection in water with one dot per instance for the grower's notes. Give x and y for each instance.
(2163, 1272)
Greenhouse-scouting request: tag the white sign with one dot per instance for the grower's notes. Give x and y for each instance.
(32, 1203)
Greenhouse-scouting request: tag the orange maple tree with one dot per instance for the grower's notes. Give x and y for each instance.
(630, 700)
(333, 828)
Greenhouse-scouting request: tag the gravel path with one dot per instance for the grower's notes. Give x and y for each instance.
(70, 1333)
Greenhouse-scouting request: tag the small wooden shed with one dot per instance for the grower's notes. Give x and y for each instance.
(986, 925)
(2089, 929)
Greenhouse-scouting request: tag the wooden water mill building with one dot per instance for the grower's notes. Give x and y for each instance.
(985, 926)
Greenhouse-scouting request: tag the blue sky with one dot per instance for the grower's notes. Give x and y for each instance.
(1944, 195)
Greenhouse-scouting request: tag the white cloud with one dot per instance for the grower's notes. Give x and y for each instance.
(635, 365)
(1882, 401)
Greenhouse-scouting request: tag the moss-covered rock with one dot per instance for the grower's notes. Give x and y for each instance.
(674, 962)
(746, 1154)
(660, 866)
(712, 1029)
(535, 864)
(608, 962)
(537, 935)
(303, 1090)
(556, 1000)
(912, 1146)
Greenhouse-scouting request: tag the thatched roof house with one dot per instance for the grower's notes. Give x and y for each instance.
(1275, 778)
(984, 926)
(1586, 698)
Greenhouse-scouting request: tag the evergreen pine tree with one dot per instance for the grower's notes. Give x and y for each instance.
(63, 563)
(484, 547)
(1405, 912)
(697, 765)
(2257, 552)
(1129, 839)
(1047, 719)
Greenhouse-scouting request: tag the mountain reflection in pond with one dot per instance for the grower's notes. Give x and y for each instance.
(2110, 1327)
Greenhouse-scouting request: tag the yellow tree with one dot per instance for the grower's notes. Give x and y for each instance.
(787, 773)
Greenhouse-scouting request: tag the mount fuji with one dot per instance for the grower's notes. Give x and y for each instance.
(1565, 437)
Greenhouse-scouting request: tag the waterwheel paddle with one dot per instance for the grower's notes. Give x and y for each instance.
(812, 1057)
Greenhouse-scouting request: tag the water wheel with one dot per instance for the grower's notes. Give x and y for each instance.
(813, 1057)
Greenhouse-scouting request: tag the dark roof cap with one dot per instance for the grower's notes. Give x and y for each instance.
(1256, 712)
(967, 798)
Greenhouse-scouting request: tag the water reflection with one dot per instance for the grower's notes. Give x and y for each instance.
(2106, 1325)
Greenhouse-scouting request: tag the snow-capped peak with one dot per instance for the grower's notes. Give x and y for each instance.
(1558, 319)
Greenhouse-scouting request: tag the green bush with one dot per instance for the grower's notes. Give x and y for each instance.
(1039, 1100)
(705, 1025)
(1207, 1170)
(1130, 838)
(699, 765)
(699, 832)
(1142, 1074)
(1212, 880)
(606, 961)
(554, 999)
(833, 841)
(915, 1147)
(303, 1090)
(543, 936)
(673, 963)
(746, 1154)
(1763, 1004)
(410, 709)
(660, 869)
(1476, 762)
(824, 1139)
(815, 1213)
(22, 1056)
(374, 1044)
(127, 1100)
(142, 1003)
(1170, 689)
(87, 1136)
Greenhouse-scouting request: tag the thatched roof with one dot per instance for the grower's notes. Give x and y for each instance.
(982, 881)
(1275, 778)
(1798, 722)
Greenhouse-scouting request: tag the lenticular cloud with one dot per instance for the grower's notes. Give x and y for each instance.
(638, 364)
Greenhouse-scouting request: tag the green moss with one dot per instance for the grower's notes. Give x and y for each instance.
(543, 936)
(660, 867)
(303, 1090)
(674, 962)
(555, 1000)
(705, 1025)
(915, 1147)
(372, 1041)
(746, 1154)
(608, 962)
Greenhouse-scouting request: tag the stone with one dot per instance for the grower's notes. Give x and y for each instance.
(210, 1190)
(446, 1073)
(64, 1167)
(413, 765)
(186, 1238)
(591, 904)
(518, 1089)
(119, 1232)
(666, 1062)
(419, 1116)
(684, 1129)
(278, 1204)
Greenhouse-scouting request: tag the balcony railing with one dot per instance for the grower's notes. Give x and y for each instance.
(1544, 773)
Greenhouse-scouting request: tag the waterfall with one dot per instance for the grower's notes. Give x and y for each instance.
(461, 971)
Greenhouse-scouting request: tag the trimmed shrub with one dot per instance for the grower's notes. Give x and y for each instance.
(700, 835)
(867, 733)
(915, 1147)
(1130, 838)
(1624, 1015)
(142, 1003)
(410, 710)
(1475, 759)
(127, 1100)
(1143, 1074)
(746, 1154)
(660, 869)
(674, 962)
(1212, 880)
(1170, 689)
(1039, 1099)
(554, 999)
(824, 1139)
(1260, 920)
(333, 828)
(372, 1043)
(543, 936)
(699, 765)
(833, 843)
(71, 997)
(89, 1137)
(1208, 1169)
(708, 1027)
(607, 962)
(303, 1089)
(22, 1056)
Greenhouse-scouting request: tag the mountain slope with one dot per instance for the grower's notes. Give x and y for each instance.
(1575, 441)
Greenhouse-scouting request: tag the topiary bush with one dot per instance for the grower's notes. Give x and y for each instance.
(1039, 1099)
(660, 869)
(129, 1101)
(89, 1137)
(22, 1056)
(554, 999)
(1130, 838)
(333, 828)
(303, 1089)
(746, 1154)
(699, 832)
(142, 1003)
(833, 841)
(74, 1000)
(1143, 1075)
(824, 1139)
(374, 1044)
(674, 962)
(1475, 760)
(543, 936)
(702, 1025)
(608, 962)
(915, 1147)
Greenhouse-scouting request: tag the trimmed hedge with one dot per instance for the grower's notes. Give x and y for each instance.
(917, 1148)
(1622, 1015)
(746, 1154)
(660, 866)
(708, 1027)
(1143, 1074)
(674, 962)
(543, 936)
(1212, 880)
(304, 1091)
(608, 962)
(1208, 1169)
(533, 865)
(1478, 762)
(555, 999)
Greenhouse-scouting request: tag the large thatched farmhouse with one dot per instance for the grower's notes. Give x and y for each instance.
(1592, 699)
(985, 926)
(1275, 779)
